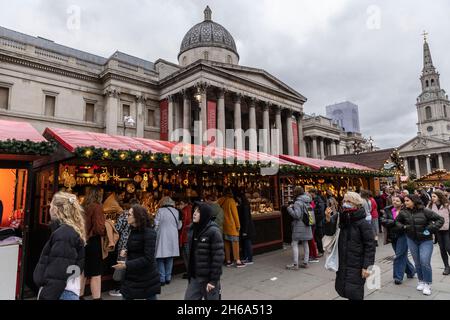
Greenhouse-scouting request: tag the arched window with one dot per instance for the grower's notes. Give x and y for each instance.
(206, 55)
(432, 82)
(229, 59)
(428, 114)
(427, 84)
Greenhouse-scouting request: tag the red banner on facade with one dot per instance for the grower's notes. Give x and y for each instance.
(164, 124)
(211, 119)
(295, 133)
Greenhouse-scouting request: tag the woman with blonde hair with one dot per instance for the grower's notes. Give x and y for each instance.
(58, 271)
(356, 246)
(95, 229)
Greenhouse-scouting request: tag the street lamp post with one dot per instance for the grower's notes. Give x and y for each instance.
(371, 143)
(127, 120)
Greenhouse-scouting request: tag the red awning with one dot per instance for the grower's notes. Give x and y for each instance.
(72, 139)
(21, 131)
(316, 164)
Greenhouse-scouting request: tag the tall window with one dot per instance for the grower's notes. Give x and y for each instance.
(229, 59)
(89, 115)
(445, 111)
(206, 55)
(432, 82)
(4, 98)
(125, 110)
(50, 104)
(150, 118)
(427, 84)
(428, 114)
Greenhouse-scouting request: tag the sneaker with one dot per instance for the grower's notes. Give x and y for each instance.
(304, 266)
(314, 260)
(115, 293)
(240, 265)
(427, 289)
(167, 282)
(247, 262)
(292, 266)
(320, 255)
(163, 284)
(446, 271)
(420, 286)
(229, 264)
(398, 282)
(410, 276)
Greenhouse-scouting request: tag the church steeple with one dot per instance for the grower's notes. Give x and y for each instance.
(430, 77)
(208, 14)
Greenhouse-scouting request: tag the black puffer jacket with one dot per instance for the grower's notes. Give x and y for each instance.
(319, 211)
(208, 253)
(356, 252)
(388, 221)
(64, 249)
(142, 276)
(415, 221)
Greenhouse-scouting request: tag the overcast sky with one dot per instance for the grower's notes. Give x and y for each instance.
(367, 52)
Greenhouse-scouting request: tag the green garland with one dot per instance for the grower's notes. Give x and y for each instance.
(27, 147)
(99, 154)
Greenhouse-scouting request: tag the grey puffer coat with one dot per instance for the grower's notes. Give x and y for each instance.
(300, 232)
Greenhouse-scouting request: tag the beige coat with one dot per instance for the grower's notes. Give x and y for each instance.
(110, 239)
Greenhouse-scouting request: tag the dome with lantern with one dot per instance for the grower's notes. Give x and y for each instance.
(208, 40)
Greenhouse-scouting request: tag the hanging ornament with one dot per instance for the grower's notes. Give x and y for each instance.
(131, 188)
(70, 183)
(138, 179)
(144, 183)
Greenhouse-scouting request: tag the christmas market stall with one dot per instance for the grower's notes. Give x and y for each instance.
(437, 178)
(323, 175)
(20, 146)
(150, 169)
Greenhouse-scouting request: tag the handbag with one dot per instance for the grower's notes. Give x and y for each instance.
(119, 275)
(332, 250)
(178, 221)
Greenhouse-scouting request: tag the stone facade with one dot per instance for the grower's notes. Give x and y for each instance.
(430, 149)
(50, 85)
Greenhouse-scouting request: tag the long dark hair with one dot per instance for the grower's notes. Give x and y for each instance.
(418, 204)
(141, 217)
(93, 195)
(443, 201)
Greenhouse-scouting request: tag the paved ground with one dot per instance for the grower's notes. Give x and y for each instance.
(268, 279)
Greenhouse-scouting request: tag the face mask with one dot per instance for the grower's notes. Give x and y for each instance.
(347, 206)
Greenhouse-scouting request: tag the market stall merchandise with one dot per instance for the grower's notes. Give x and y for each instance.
(20, 145)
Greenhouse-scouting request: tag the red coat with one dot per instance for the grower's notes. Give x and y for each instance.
(374, 211)
(187, 220)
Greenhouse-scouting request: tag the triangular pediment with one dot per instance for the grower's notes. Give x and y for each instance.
(423, 143)
(260, 77)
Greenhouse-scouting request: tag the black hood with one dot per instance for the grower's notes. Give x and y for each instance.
(206, 215)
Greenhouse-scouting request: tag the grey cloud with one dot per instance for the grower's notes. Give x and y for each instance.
(330, 59)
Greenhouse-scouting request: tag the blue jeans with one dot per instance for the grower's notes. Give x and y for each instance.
(422, 252)
(165, 266)
(402, 264)
(69, 295)
(247, 249)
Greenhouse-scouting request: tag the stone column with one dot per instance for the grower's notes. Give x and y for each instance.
(266, 127)
(314, 147)
(203, 113)
(441, 161)
(238, 122)
(221, 115)
(301, 140)
(417, 167)
(253, 137)
(112, 111)
(406, 166)
(333, 148)
(428, 158)
(170, 122)
(279, 126)
(186, 117)
(140, 116)
(290, 133)
(322, 148)
(338, 148)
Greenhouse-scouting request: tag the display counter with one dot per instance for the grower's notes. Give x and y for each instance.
(8, 271)
(269, 232)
